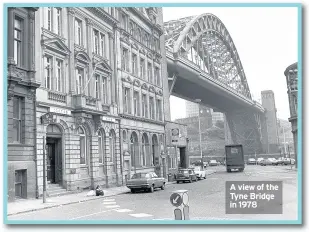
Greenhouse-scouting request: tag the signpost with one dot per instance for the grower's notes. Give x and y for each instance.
(180, 200)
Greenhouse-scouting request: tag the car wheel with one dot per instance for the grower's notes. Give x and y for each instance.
(177, 182)
(190, 180)
(132, 190)
(163, 186)
(151, 189)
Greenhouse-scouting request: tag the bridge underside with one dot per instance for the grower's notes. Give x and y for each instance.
(243, 124)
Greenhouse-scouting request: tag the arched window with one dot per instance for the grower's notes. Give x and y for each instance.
(112, 148)
(145, 157)
(155, 150)
(124, 136)
(131, 28)
(82, 145)
(146, 40)
(134, 150)
(101, 141)
(139, 35)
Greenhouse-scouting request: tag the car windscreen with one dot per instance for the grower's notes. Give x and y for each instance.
(140, 175)
(183, 171)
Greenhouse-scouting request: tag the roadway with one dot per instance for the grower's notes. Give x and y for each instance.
(206, 199)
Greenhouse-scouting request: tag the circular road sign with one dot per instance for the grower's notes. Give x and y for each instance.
(176, 199)
(185, 199)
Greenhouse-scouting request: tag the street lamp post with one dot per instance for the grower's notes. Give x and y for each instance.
(198, 101)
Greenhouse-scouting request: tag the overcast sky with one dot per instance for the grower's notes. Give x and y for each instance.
(266, 41)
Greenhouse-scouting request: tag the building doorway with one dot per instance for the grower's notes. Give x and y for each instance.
(54, 155)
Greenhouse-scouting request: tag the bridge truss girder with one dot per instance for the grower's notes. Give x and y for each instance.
(245, 127)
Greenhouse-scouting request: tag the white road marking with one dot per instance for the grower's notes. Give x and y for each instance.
(109, 203)
(112, 206)
(123, 210)
(107, 200)
(139, 215)
(90, 214)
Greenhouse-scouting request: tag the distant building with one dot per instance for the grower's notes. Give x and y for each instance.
(292, 80)
(216, 116)
(268, 102)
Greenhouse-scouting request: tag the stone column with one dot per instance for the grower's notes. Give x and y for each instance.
(31, 65)
(112, 56)
(71, 16)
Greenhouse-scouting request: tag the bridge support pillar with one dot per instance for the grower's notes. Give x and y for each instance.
(244, 127)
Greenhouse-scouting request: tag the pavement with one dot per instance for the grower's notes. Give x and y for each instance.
(29, 205)
(206, 200)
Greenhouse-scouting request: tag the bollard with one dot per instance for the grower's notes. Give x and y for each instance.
(180, 200)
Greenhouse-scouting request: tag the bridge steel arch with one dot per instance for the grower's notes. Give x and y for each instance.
(205, 41)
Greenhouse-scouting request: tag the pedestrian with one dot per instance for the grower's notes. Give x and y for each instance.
(99, 191)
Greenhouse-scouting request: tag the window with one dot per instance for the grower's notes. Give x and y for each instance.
(58, 21)
(21, 184)
(99, 43)
(123, 21)
(96, 86)
(78, 31)
(48, 69)
(144, 106)
(79, 80)
(134, 63)
(101, 140)
(49, 18)
(149, 69)
(96, 41)
(17, 120)
(135, 161)
(112, 144)
(157, 76)
(104, 89)
(139, 35)
(82, 146)
(142, 68)
(145, 157)
(151, 108)
(159, 110)
(102, 44)
(295, 103)
(18, 41)
(147, 40)
(126, 101)
(59, 75)
(125, 59)
(136, 103)
(131, 28)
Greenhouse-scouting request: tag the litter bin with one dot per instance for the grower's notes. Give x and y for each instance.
(169, 177)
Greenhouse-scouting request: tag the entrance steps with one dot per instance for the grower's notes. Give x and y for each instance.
(55, 190)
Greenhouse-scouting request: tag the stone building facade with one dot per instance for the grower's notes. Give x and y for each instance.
(140, 87)
(291, 74)
(77, 112)
(21, 84)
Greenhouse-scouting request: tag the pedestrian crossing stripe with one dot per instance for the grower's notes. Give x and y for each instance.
(123, 210)
(109, 203)
(139, 215)
(112, 206)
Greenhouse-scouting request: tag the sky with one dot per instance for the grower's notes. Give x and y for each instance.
(266, 41)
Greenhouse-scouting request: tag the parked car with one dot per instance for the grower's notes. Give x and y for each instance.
(145, 181)
(200, 172)
(268, 161)
(184, 175)
(213, 163)
(251, 161)
(280, 161)
(288, 161)
(259, 160)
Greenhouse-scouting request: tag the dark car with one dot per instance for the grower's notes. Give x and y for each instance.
(184, 175)
(145, 181)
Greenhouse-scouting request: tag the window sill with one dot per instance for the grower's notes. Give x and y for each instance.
(19, 145)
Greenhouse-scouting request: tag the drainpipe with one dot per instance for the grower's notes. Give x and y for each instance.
(35, 149)
(117, 96)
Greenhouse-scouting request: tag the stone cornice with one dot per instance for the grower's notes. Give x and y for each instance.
(141, 119)
(104, 15)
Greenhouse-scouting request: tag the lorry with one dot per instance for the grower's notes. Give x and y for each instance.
(234, 157)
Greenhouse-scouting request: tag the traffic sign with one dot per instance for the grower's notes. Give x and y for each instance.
(176, 199)
(185, 199)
